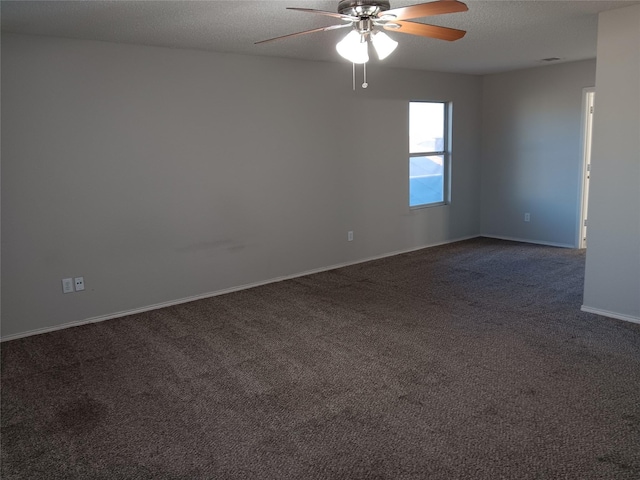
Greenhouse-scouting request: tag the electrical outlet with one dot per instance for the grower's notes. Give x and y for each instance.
(527, 217)
(79, 283)
(350, 236)
(67, 285)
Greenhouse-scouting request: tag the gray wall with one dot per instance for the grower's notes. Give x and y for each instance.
(612, 278)
(163, 174)
(532, 152)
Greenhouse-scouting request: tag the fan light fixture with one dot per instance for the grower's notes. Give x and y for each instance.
(383, 44)
(354, 47)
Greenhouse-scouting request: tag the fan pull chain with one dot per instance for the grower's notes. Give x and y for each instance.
(364, 70)
(354, 77)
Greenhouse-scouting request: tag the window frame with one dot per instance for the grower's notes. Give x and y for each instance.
(445, 153)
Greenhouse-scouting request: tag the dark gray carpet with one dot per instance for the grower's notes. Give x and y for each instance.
(470, 360)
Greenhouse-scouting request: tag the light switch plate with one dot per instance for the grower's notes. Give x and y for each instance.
(67, 285)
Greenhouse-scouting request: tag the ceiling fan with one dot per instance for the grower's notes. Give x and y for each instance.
(368, 17)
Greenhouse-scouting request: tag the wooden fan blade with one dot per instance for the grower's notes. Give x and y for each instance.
(424, 30)
(328, 14)
(321, 29)
(424, 10)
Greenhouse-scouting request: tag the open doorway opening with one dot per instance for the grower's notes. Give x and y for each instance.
(587, 130)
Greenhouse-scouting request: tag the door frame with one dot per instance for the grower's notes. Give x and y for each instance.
(588, 99)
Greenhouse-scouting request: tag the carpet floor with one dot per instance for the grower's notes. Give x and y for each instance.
(465, 361)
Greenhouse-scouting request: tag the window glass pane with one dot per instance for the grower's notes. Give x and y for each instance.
(426, 127)
(426, 180)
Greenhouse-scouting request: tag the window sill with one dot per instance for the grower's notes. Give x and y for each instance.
(428, 205)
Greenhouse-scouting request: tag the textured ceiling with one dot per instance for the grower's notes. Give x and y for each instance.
(502, 35)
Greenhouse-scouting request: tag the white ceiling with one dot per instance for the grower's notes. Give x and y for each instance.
(501, 34)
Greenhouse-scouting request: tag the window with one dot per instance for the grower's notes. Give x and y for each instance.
(428, 156)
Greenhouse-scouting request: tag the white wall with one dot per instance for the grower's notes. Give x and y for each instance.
(532, 152)
(612, 278)
(162, 174)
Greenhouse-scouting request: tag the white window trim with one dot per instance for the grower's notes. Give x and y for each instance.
(446, 155)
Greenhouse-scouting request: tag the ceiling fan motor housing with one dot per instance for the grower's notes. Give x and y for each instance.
(362, 8)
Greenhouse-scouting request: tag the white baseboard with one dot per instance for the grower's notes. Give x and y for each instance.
(528, 240)
(148, 308)
(606, 313)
